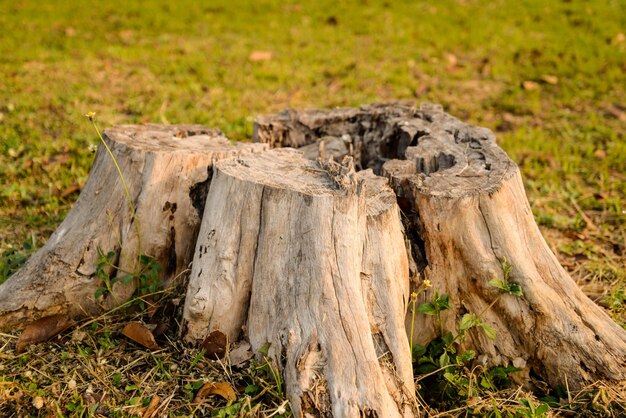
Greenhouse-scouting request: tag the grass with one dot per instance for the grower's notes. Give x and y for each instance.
(548, 77)
(94, 371)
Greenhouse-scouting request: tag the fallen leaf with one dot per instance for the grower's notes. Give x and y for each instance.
(485, 67)
(452, 62)
(618, 39)
(160, 329)
(550, 79)
(38, 402)
(58, 159)
(126, 36)
(70, 190)
(616, 112)
(240, 354)
(42, 330)
(78, 335)
(140, 334)
(257, 56)
(90, 400)
(11, 394)
(530, 85)
(421, 89)
(152, 407)
(223, 389)
(215, 345)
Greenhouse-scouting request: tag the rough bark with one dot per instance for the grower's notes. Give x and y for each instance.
(466, 213)
(167, 170)
(309, 260)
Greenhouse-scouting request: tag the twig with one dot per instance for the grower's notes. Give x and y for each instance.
(583, 215)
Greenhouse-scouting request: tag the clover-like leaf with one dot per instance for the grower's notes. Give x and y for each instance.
(466, 356)
(427, 309)
(489, 331)
(469, 320)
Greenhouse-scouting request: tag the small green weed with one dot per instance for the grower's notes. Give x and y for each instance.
(443, 366)
(146, 278)
(530, 409)
(146, 271)
(13, 258)
(438, 305)
(504, 284)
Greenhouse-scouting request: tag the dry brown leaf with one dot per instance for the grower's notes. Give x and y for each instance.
(452, 62)
(257, 56)
(70, 190)
(240, 354)
(42, 330)
(223, 389)
(600, 154)
(38, 402)
(618, 39)
(616, 112)
(550, 79)
(126, 36)
(160, 329)
(58, 159)
(485, 67)
(530, 85)
(215, 345)
(421, 89)
(149, 411)
(138, 332)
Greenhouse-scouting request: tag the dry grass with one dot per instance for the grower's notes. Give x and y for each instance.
(93, 370)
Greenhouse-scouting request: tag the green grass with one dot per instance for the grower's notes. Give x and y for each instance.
(189, 62)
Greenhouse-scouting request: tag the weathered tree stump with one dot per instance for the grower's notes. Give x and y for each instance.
(310, 258)
(316, 260)
(167, 171)
(466, 213)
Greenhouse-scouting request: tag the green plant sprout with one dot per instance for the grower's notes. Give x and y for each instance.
(133, 213)
(504, 284)
(441, 361)
(425, 285)
(13, 258)
(438, 305)
(145, 270)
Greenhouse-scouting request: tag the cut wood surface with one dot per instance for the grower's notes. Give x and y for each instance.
(167, 170)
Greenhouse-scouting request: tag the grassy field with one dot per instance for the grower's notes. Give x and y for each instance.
(548, 77)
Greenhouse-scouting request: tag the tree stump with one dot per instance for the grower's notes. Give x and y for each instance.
(167, 170)
(316, 261)
(468, 219)
(310, 258)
